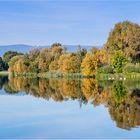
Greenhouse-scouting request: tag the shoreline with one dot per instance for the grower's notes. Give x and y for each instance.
(102, 77)
(4, 73)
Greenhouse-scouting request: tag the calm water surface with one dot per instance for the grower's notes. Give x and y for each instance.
(60, 108)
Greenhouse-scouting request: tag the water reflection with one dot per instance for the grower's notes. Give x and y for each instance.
(3, 81)
(121, 98)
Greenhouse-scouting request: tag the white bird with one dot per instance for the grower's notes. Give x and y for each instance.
(120, 78)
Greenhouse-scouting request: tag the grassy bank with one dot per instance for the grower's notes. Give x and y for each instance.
(60, 75)
(119, 76)
(50, 75)
(3, 73)
(30, 75)
(101, 76)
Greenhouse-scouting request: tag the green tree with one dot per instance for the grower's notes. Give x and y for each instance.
(1, 64)
(8, 55)
(119, 61)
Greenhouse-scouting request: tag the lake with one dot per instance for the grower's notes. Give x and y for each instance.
(66, 108)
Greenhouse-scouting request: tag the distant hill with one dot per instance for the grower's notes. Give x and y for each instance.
(26, 48)
(18, 47)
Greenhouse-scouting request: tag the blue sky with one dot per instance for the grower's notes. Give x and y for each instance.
(83, 22)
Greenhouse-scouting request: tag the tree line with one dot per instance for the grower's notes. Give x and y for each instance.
(121, 53)
(53, 59)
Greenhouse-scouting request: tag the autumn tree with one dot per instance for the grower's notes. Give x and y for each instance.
(12, 62)
(21, 65)
(125, 37)
(44, 59)
(56, 51)
(68, 63)
(49, 56)
(34, 53)
(54, 66)
(102, 55)
(89, 64)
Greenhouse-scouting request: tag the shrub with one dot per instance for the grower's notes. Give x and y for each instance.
(119, 61)
(130, 68)
(105, 69)
(138, 67)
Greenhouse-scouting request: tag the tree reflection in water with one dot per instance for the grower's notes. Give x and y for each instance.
(3, 81)
(121, 98)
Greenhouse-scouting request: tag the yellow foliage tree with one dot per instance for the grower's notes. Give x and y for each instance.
(54, 65)
(44, 59)
(89, 64)
(20, 66)
(68, 63)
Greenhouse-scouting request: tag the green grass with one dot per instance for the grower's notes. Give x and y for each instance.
(3, 73)
(50, 75)
(59, 75)
(119, 76)
(30, 75)
(101, 76)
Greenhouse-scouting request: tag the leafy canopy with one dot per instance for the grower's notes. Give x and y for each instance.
(125, 37)
(118, 61)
